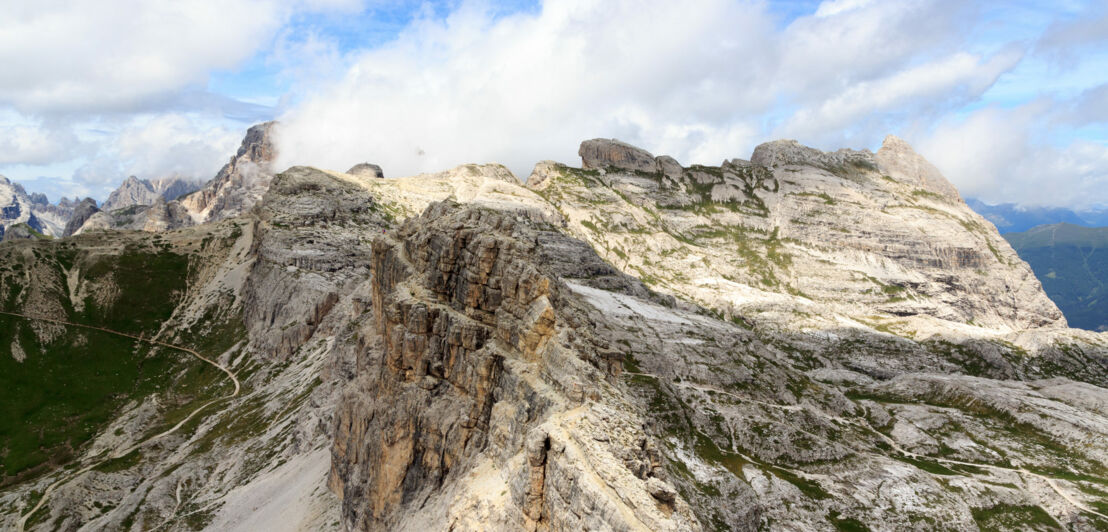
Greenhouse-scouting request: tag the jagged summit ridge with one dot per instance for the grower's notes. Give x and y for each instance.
(897, 158)
(17, 207)
(136, 192)
(241, 182)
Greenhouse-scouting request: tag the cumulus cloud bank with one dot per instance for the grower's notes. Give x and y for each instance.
(702, 84)
(1000, 97)
(696, 83)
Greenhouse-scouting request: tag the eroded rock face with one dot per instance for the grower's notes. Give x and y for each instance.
(867, 234)
(897, 159)
(309, 251)
(603, 153)
(81, 213)
(478, 369)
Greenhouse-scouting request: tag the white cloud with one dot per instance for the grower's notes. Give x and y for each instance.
(528, 87)
(995, 154)
(175, 144)
(957, 78)
(121, 55)
(24, 141)
(692, 82)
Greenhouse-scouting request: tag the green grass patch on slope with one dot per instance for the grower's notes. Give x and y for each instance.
(72, 383)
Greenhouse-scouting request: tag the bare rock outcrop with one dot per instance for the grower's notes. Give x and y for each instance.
(81, 213)
(604, 153)
(897, 159)
(308, 250)
(240, 183)
(366, 170)
(477, 370)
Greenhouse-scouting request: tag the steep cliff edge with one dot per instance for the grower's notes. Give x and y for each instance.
(481, 397)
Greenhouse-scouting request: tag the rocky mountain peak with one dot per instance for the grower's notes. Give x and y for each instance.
(241, 182)
(897, 159)
(257, 145)
(134, 191)
(81, 213)
(16, 208)
(38, 198)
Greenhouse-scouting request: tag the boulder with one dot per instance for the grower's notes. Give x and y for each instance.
(366, 170)
(611, 153)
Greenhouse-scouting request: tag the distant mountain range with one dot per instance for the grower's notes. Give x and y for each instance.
(1012, 218)
(1072, 263)
(147, 204)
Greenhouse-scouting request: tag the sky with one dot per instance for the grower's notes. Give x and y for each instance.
(1008, 99)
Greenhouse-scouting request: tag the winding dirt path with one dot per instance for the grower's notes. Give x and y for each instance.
(123, 452)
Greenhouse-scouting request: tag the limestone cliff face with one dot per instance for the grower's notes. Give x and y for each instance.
(309, 251)
(81, 213)
(851, 232)
(476, 364)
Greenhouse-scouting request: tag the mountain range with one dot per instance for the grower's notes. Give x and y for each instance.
(1012, 218)
(801, 340)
